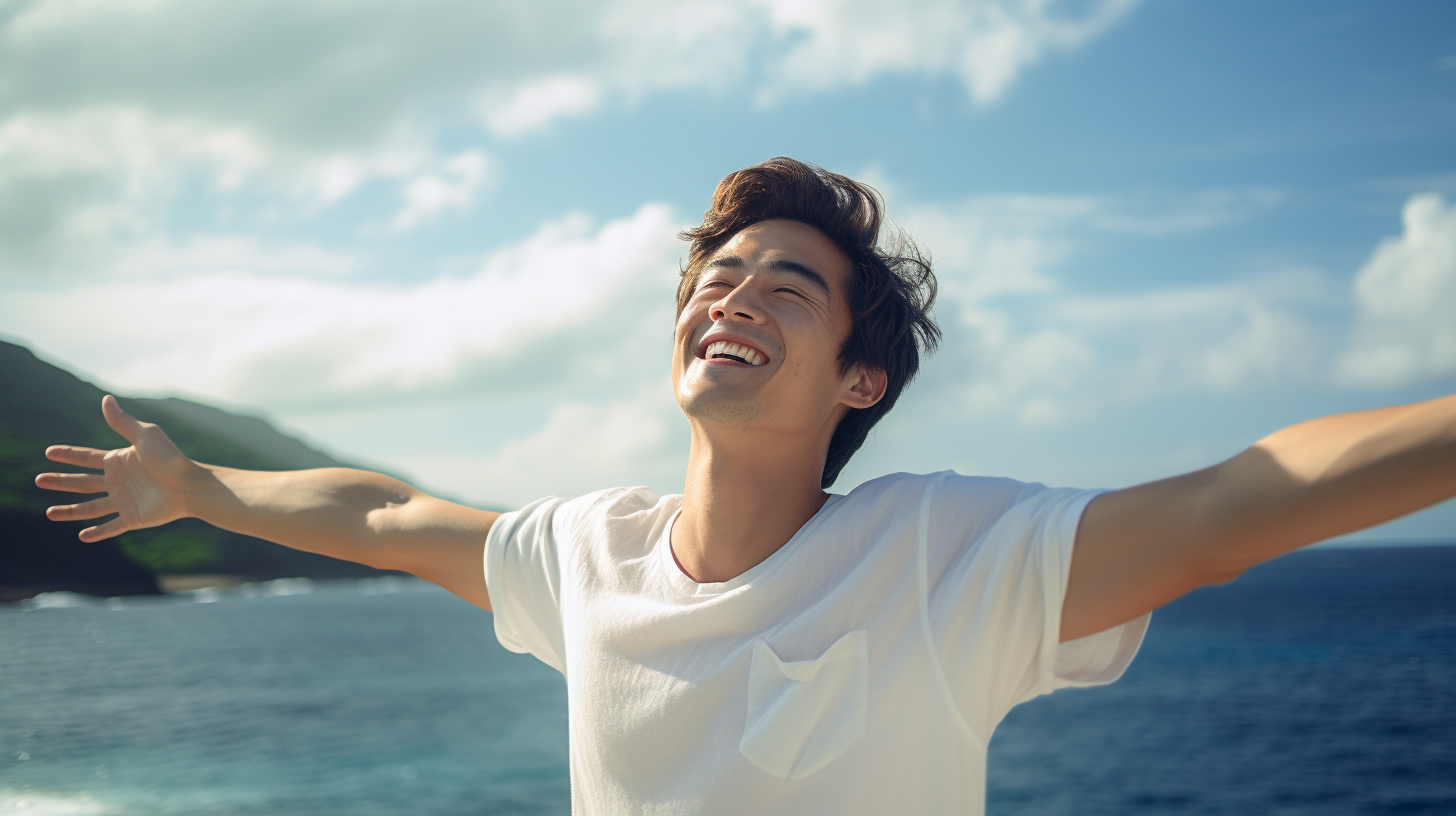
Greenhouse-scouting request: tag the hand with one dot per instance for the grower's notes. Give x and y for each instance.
(145, 484)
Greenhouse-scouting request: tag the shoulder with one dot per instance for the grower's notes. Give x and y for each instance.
(613, 502)
(618, 511)
(945, 488)
(955, 508)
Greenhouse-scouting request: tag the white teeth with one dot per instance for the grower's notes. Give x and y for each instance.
(734, 349)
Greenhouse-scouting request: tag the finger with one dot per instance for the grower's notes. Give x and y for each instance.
(102, 532)
(119, 420)
(72, 482)
(80, 457)
(78, 512)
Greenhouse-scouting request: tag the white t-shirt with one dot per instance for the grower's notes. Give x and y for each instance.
(859, 669)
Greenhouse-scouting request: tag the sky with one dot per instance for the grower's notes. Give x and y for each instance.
(438, 237)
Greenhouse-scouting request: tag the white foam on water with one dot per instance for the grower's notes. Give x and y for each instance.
(57, 600)
(288, 586)
(44, 804)
(383, 585)
(206, 595)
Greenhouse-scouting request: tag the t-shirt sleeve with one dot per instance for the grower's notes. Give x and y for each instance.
(523, 573)
(996, 607)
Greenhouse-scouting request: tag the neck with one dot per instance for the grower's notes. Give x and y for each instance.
(744, 498)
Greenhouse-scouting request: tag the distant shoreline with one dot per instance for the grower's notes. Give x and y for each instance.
(181, 585)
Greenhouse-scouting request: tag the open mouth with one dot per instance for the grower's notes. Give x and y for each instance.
(736, 352)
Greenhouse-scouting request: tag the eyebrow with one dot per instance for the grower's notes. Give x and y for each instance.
(802, 270)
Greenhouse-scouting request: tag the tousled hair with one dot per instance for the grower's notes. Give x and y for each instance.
(891, 286)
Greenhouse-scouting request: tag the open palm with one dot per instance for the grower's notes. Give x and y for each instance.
(144, 483)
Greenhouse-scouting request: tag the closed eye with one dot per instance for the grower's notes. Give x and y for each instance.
(802, 298)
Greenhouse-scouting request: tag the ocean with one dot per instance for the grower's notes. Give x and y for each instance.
(1323, 682)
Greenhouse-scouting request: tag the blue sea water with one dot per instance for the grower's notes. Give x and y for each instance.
(1323, 682)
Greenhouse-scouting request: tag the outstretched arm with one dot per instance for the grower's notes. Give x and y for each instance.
(1141, 547)
(350, 514)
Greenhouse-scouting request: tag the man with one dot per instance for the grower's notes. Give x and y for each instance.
(757, 645)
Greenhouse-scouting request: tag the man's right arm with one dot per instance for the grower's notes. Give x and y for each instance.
(349, 514)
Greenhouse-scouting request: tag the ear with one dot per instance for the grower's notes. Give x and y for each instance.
(865, 386)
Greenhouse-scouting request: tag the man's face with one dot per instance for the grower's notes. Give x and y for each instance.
(758, 342)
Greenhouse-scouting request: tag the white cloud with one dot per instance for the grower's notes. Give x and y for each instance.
(1062, 355)
(157, 258)
(537, 104)
(318, 75)
(1406, 296)
(566, 300)
(373, 61)
(1154, 215)
(77, 190)
(73, 186)
(1020, 343)
(991, 245)
(985, 45)
(987, 246)
(585, 446)
(1233, 334)
(452, 188)
(112, 106)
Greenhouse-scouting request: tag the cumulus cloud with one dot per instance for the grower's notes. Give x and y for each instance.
(326, 73)
(1065, 355)
(1406, 298)
(559, 303)
(985, 45)
(992, 245)
(79, 190)
(73, 186)
(453, 188)
(112, 106)
(585, 446)
(1021, 342)
(536, 104)
(158, 259)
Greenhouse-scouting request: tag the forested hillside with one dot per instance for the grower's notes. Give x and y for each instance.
(41, 405)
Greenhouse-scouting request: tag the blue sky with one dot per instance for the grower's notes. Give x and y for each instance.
(438, 237)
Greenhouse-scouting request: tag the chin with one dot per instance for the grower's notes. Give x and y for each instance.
(720, 409)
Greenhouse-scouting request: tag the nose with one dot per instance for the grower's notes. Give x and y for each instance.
(741, 302)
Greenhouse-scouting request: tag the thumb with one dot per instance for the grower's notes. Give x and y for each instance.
(119, 420)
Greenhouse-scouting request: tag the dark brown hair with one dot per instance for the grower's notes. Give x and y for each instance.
(891, 287)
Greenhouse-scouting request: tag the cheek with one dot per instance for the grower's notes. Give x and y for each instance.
(813, 359)
(690, 324)
(807, 339)
(684, 325)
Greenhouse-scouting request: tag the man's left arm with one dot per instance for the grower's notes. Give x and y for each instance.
(1143, 546)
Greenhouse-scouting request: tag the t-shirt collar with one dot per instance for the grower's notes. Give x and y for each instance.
(683, 583)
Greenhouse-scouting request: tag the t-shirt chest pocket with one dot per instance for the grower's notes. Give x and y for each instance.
(804, 714)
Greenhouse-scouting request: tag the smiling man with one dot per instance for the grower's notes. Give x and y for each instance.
(756, 644)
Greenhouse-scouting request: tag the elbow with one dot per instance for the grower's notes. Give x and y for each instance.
(1218, 571)
(1226, 540)
(1221, 553)
(1223, 557)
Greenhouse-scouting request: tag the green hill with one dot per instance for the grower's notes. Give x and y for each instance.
(42, 405)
